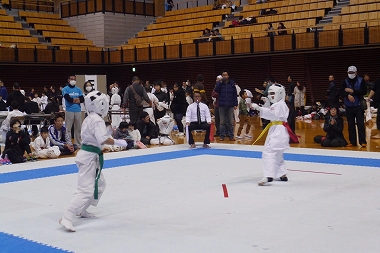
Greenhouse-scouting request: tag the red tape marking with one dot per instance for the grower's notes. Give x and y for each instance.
(225, 192)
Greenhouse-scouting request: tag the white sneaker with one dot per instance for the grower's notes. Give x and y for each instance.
(86, 214)
(67, 224)
(263, 181)
(239, 137)
(247, 135)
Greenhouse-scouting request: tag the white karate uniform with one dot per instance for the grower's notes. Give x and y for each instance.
(44, 102)
(135, 134)
(94, 133)
(277, 140)
(236, 111)
(42, 148)
(165, 131)
(115, 105)
(148, 109)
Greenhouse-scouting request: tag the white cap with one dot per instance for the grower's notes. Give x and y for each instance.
(352, 69)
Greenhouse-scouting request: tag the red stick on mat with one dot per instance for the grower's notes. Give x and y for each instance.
(225, 192)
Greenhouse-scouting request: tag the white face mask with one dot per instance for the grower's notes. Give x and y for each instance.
(73, 82)
(351, 76)
(88, 88)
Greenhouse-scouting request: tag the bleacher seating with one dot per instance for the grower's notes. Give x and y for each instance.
(56, 30)
(357, 14)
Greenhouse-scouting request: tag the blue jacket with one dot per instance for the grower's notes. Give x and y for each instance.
(227, 94)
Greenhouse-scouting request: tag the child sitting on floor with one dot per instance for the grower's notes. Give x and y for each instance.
(41, 146)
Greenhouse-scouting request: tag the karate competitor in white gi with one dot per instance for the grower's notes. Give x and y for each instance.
(89, 159)
(278, 138)
(115, 106)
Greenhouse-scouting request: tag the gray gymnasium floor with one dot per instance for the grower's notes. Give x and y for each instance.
(170, 199)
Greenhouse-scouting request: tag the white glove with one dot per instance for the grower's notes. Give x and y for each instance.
(255, 106)
(264, 99)
(121, 143)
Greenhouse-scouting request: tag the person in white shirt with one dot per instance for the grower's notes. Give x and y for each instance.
(195, 121)
(42, 148)
(150, 108)
(37, 99)
(5, 124)
(89, 159)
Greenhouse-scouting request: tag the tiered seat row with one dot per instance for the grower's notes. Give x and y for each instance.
(188, 10)
(56, 30)
(298, 26)
(193, 15)
(18, 39)
(182, 29)
(354, 16)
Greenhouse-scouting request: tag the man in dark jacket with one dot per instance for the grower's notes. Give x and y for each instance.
(129, 99)
(16, 95)
(352, 90)
(227, 102)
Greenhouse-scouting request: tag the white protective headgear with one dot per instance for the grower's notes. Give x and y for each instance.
(166, 119)
(276, 92)
(97, 102)
(114, 90)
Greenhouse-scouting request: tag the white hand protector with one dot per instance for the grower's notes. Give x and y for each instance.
(121, 143)
(255, 106)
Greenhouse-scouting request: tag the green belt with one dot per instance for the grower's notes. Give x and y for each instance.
(98, 151)
(266, 129)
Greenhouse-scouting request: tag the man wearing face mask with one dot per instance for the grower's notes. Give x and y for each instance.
(352, 90)
(72, 97)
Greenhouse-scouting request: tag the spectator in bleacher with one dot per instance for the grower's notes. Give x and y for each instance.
(270, 30)
(3, 96)
(229, 4)
(206, 34)
(280, 27)
(169, 5)
(352, 90)
(54, 92)
(37, 99)
(73, 96)
(216, 5)
(31, 94)
(16, 95)
(218, 35)
(261, 1)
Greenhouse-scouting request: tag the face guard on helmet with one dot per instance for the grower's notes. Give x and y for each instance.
(276, 92)
(97, 102)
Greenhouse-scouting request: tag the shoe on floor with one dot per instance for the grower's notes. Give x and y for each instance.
(232, 139)
(86, 214)
(238, 137)
(248, 136)
(350, 145)
(206, 146)
(192, 146)
(221, 138)
(263, 181)
(67, 224)
(364, 145)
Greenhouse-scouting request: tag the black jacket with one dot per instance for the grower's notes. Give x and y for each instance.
(16, 95)
(334, 131)
(147, 129)
(179, 104)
